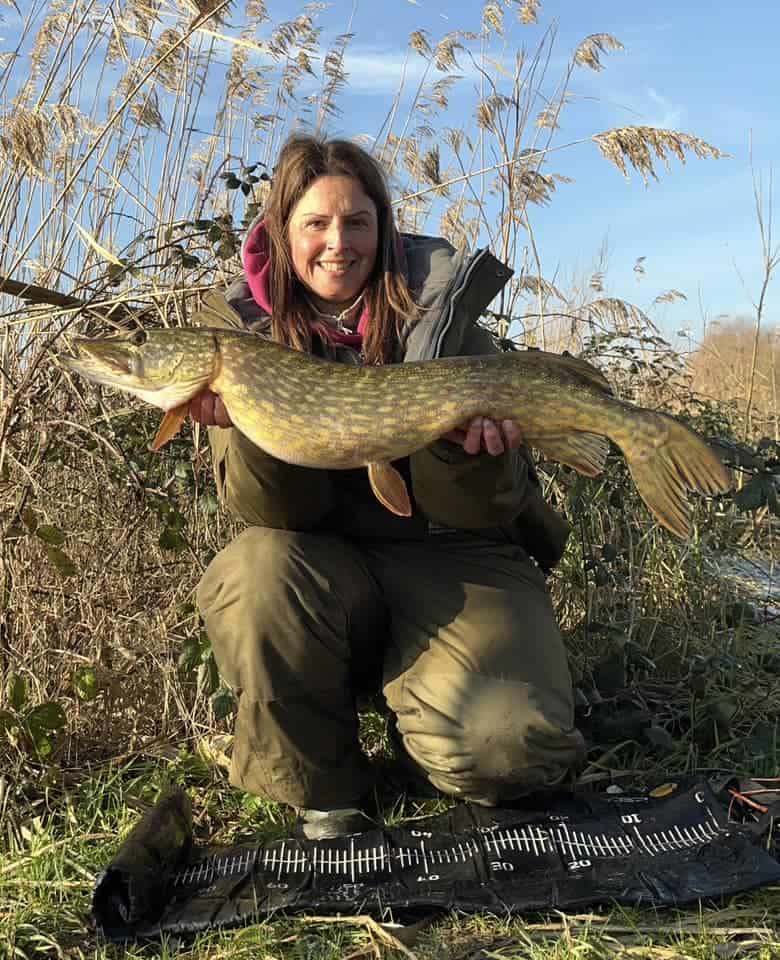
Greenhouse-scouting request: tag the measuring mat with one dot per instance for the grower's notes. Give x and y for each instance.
(671, 845)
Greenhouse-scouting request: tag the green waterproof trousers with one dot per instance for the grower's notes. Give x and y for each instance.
(458, 632)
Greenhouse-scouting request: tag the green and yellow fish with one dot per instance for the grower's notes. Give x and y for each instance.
(317, 413)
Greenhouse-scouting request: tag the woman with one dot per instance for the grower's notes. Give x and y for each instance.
(326, 593)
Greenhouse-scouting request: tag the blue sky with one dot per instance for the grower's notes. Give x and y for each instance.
(699, 67)
(703, 68)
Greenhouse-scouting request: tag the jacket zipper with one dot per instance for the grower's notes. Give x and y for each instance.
(456, 295)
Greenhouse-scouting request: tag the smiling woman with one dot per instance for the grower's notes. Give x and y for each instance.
(333, 241)
(326, 593)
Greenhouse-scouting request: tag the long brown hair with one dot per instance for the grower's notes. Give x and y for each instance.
(302, 160)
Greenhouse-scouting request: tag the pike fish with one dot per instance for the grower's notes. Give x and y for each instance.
(318, 413)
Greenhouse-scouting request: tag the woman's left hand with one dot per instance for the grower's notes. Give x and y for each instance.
(482, 433)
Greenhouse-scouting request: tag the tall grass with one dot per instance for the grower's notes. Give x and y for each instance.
(136, 138)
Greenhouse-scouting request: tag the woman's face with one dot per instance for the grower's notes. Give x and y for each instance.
(333, 238)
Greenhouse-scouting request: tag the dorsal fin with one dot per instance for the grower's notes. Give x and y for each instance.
(215, 311)
(580, 367)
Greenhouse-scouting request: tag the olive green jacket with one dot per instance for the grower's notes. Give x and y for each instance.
(450, 489)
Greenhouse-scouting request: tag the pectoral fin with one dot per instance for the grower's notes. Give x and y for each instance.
(390, 488)
(583, 452)
(170, 426)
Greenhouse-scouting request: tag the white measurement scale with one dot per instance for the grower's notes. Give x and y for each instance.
(676, 845)
(426, 857)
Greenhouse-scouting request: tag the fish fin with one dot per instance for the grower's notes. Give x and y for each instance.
(582, 368)
(389, 488)
(678, 461)
(584, 452)
(215, 311)
(170, 425)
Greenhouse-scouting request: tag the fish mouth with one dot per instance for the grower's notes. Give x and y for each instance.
(107, 362)
(94, 356)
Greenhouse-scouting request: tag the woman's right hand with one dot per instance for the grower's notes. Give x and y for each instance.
(208, 409)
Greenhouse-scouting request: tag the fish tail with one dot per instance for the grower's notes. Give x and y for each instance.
(666, 459)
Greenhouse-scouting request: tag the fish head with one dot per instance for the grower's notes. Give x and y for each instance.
(166, 367)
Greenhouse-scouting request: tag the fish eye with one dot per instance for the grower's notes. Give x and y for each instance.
(138, 338)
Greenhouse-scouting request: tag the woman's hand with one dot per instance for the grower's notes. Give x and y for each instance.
(483, 433)
(207, 408)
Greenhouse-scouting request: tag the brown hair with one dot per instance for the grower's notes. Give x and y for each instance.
(302, 160)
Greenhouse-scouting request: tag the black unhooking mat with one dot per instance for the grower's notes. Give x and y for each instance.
(671, 845)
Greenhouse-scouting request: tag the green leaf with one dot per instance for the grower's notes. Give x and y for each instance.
(772, 499)
(85, 683)
(223, 704)
(608, 552)
(42, 743)
(182, 470)
(29, 519)
(171, 539)
(16, 691)
(203, 224)
(697, 683)
(175, 519)
(115, 273)
(189, 657)
(46, 716)
(49, 534)
(660, 737)
(609, 674)
(209, 504)
(723, 711)
(753, 495)
(7, 720)
(763, 741)
(225, 250)
(208, 676)
(64, 565)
